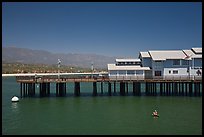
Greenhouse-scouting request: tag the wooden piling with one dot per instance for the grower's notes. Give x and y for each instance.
(94, 89)
(182, 88)
(126, 84)
(186, 88)
(109, 89)
(21, 90)
(57, 89)
(122, 88)
(152, 87)
(101, 87)
(134, 88)
(190, 88)
(161, 88)
(77, 88)
(114, 87)
(199, 84)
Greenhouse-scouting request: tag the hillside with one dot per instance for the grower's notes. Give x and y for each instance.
(29, 56)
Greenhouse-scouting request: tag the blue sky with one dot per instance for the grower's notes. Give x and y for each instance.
(106, 28)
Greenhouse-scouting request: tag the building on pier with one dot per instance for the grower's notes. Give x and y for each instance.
(159, 64)
(126, 69)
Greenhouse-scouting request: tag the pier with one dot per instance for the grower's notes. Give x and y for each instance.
(147, 87)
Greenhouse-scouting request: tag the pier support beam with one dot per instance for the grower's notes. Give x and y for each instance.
(155, 88)
(126, 87)
(186, 88)
(175, 88)
(60, 89)
(122, 88)
(190, 88)
(94, 89)
(195, 88)
(31, 89)
(134, 88)
(199, 84)
(21, 90)
(44, 89)
(101, 87)
(77, 88)
(182, 88)
(147, 89)
(109, 89)
(137, 88)
(114, 87)
(161, 88)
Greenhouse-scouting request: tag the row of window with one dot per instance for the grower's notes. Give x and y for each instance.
(127, 63)
(124, 72)
(158, 73)
(180, 62)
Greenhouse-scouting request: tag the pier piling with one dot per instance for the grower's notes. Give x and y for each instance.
(152, 87)
(77, 88)
(94, 89)
(109, 89)
(122, 88)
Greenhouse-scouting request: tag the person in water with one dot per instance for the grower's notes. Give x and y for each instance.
(155, 113)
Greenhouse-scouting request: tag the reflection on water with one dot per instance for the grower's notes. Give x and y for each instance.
(14, 106)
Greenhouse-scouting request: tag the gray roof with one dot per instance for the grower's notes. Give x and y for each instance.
(136, 67)
(127, 60)
(167, 54)
(144, 54)
(197, 50)
(190, 54)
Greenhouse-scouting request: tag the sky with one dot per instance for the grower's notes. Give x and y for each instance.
(121, 29)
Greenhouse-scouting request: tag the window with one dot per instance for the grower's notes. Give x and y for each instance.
(175, 71)
(158, 61)
(169, 71)
(185, 62)
(130, 72)
(176, 62)
(122, 72)
(113, 72)
(139, 72)
(157, 73)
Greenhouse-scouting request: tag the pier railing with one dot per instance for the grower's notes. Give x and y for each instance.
(62, 79)
(104, 78)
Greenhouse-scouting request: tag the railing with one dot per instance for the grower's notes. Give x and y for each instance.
(104, 78)
(177, 78)
(61, 79)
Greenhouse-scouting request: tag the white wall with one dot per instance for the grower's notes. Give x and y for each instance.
(124, 76)
(181, 72)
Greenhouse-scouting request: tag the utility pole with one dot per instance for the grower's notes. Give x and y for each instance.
(59, 62)
(92, 69)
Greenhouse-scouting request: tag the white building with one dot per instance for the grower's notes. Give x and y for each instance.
(159, 64)
(173, 64)
(126, 69)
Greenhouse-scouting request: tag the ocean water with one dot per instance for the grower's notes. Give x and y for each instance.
(100, 115)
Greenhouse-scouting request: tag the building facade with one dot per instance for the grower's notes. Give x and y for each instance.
(159, 64)
(126, 69)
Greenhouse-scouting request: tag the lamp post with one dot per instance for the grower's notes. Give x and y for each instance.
(59, 62)
(92, 69)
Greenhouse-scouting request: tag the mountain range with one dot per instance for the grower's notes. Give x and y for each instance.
(30, 56)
